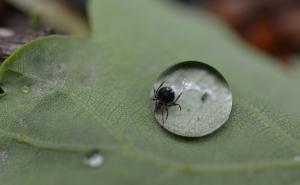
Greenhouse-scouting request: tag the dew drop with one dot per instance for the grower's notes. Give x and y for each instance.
(25, 89)
(94, 159)
(205, 102)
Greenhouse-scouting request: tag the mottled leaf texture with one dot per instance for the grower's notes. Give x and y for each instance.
(66, 96)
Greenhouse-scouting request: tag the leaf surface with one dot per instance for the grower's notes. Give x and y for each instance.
(87, 93)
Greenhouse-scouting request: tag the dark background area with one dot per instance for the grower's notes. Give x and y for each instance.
(273, 26)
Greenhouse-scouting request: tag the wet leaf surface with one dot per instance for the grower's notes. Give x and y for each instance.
(92, 93)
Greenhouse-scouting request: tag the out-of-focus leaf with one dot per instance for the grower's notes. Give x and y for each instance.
(56, 14)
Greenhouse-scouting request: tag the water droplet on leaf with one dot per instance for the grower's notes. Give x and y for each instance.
(191, 99)
(94, 159)
(25, 89)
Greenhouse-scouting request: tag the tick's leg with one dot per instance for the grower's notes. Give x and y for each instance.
(160, 86)
(175, 104)
(162, 115)
(166, 108)
(154, 92)
(156, 107)
(177, 97)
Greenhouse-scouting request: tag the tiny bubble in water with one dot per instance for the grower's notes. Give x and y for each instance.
(94, 159)
(25, 89)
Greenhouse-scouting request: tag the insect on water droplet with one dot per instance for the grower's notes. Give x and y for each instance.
(164, 97)
(191, 99)
(94, 159)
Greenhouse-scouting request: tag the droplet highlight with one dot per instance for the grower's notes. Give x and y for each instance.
(25, 89)
(94, 159)
(199, 102)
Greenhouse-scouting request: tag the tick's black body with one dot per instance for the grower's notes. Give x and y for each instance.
(164, 97)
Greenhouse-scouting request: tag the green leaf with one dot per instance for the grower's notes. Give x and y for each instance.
(93, 93)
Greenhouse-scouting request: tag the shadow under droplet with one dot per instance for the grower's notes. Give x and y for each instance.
(195, 139)
(92, 152)
(2, 92)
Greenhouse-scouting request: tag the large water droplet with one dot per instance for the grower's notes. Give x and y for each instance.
(203, 96)
(94, 159)
(25, 89)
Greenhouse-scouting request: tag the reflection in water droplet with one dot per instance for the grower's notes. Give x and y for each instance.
(25, 89)
(206, 99)
(94, 159)
(205, 96)
(297, 158)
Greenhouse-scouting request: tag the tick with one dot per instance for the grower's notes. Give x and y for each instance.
(164, 97)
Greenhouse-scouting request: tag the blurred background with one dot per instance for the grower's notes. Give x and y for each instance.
(273, 26)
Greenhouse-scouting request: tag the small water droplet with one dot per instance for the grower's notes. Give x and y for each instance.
(25, 89)
(94, 159)
(199, 102)
(297, 158)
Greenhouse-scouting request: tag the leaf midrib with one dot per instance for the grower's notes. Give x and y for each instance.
(142, 155)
